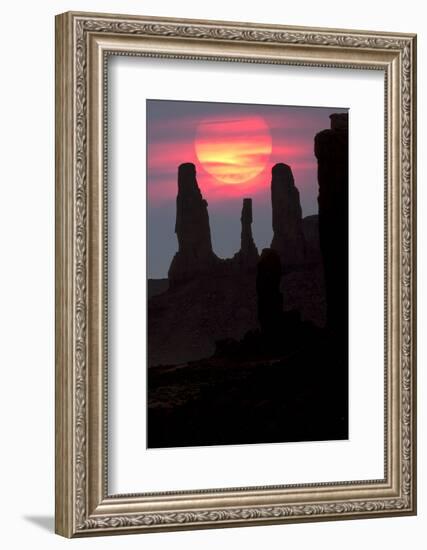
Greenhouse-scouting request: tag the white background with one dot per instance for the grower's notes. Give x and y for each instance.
(27, 275)
(133, 468)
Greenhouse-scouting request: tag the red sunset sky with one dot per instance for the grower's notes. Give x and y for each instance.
(234, 148)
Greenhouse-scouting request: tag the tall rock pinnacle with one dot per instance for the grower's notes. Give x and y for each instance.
(331, 150)
(270, 299)
(288, 237)
(248, 253)
(192, 229)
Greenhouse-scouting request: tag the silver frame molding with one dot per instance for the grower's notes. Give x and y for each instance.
(83, 43)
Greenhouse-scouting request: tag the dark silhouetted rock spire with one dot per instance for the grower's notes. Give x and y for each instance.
(192, 229)
(331, 150)
(270, 299)
(248, 253)
(288, 237)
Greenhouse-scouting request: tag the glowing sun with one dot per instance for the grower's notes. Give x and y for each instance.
(233, 150)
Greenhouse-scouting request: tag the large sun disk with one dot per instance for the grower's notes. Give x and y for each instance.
(235, 150)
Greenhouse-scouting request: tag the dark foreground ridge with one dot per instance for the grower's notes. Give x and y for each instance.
(252, 349)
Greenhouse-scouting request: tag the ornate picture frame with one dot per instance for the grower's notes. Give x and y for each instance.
(84, 42)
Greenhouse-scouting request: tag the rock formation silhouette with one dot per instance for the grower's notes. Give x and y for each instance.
(310, 228)
(331, 150)
(207, 299)
(270, 299)
(195, 254)
(248, 253)
(288, 237)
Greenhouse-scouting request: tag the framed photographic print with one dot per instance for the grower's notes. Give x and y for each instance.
(235, 274)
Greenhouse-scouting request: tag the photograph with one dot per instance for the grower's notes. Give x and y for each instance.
(247, 273)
